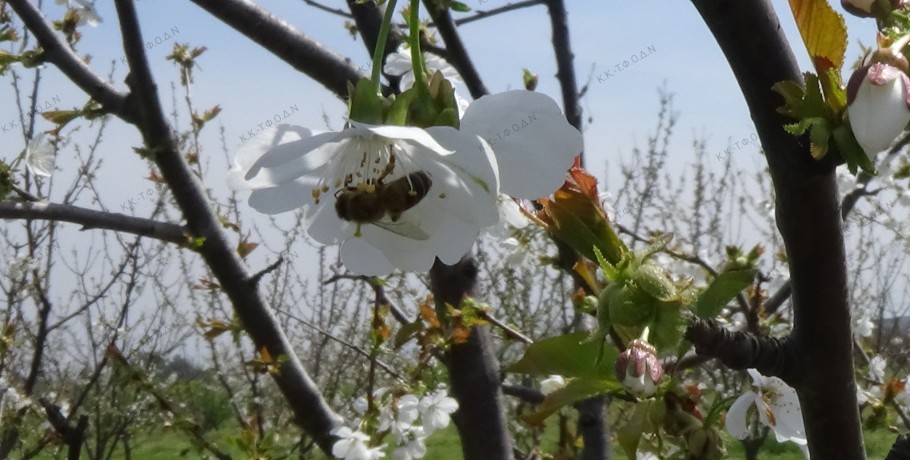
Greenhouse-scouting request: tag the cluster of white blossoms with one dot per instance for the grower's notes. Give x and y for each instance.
(10, 399)
(878, 386)
(399, 197)
(409, 420)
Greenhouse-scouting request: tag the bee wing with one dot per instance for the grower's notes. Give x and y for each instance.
(403, 227)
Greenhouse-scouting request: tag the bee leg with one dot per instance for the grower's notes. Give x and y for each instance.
(357, 233)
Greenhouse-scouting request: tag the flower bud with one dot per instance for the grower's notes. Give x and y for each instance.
(861, 8)
(879, 105)
(628, 305)
(638, 369)
(867, 8)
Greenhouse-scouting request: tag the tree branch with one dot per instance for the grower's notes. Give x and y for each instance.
(565, 69)
(283, 40)
(57, 52)
(502, 9)
(457, 53)
(310, 408)
(328, 9)
(91, 219)
(473, 371)
(742, 350)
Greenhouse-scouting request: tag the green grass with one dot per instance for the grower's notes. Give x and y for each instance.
(445, 445)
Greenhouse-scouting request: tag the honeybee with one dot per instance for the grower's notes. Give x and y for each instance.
(371, 203)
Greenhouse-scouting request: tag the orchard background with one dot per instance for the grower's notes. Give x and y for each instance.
(149, 311)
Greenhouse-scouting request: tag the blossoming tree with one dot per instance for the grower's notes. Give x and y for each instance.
(417, 174)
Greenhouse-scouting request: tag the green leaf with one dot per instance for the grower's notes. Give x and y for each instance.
(61, 117)
(823, 31)
(630, 434)
(406, 333)
(850, 149)
(610, 272)
(460, 7)
(724, 288)
(576, 390)
(819, 134)
(569, 356)
(793, 93)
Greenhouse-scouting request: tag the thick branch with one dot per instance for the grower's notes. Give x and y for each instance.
(809, 220)
(283, 40)
(91, 219)
(565, 69)
(56, 51)
(368, 18)
(473, 371)
(311, 410)
(73, 436)
(741, 350)
(900, 450)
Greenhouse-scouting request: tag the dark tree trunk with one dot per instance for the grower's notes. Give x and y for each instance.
(473, 372)
(820, 362)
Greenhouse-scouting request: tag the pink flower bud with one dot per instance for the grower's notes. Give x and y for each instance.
(638, 369)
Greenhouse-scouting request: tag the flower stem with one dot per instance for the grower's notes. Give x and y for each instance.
(420, 80)
(379, 52)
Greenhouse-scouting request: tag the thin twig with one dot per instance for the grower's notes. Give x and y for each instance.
(344, 342)
(57, 52)
(480, 14)
(328, 9)
(510, 332)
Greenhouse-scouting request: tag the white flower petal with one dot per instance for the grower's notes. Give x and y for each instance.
(285, 198)
(363, 258)
(281, 154)
(552, 383)
(736, 417)
(416, 135)
(39, 156)
(534, 143)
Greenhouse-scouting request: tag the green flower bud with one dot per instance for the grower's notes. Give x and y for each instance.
(628, 305)
(653, 279)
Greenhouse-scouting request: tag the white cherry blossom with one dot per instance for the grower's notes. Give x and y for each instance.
(291, 167)
(86, 10)
(777, 406)
(39, 156)
(352, 445)
(435, 409)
